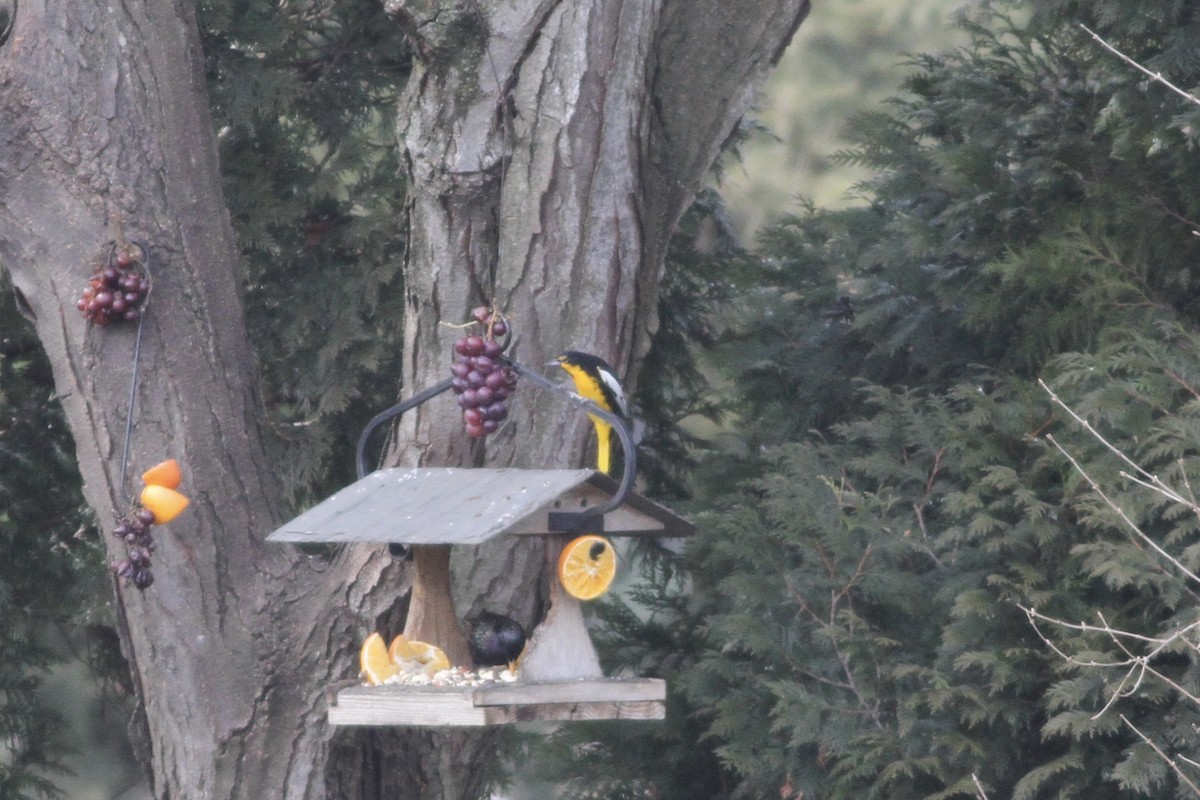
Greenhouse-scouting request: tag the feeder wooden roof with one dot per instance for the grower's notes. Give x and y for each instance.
(429, 505)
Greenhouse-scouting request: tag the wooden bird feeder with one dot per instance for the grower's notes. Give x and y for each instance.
(432, 509)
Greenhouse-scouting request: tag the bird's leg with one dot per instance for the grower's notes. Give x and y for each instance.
(603, 445)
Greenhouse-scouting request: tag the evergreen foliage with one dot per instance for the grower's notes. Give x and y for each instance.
(855, 624)
(42, 527)
(304, 100)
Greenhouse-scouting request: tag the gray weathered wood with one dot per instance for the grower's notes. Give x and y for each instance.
(499, 704)
(470, 506)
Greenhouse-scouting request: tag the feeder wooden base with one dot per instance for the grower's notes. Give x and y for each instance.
(500, 703)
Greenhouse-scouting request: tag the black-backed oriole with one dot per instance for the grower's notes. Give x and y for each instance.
(596, 381)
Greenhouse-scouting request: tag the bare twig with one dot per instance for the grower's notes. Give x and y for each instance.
(1169, 761)
(1120, 512)
(1154, 480)
(1154, 76)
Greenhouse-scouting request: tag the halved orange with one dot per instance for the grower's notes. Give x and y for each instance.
(586, 566)
(165, 474)
(374, 661)
(165, 504)
(410, 655)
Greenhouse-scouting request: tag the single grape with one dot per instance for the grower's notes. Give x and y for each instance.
(481, 314)
(475, 379)
(473, 416)
(499, 328)
(473, 345)
(483, 363)
(490, 426)
(132, 315)
(122, 568)
(497, 411)
(110, 275)
(142, 578)
(492, 348)
(484, 396)
(118, 305)
(468, 399)
(460, 369)
(124, 259)
(145, 516)
(496, 381)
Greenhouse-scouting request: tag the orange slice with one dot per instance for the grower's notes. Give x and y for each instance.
(165, 504)
(376, 664)
(410, 656)
(165, 474)
(587, 566)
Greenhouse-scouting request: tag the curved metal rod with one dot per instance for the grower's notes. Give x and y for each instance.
(360, 452)
(578, 519)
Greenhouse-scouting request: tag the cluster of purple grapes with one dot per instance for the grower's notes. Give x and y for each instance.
(481, 380)
(134, 530)
(116, 292)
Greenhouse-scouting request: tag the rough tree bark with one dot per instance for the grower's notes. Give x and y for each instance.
(104, 118)
(550, 148)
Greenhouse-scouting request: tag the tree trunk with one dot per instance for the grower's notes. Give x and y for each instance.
(105, 124)
(551, 147)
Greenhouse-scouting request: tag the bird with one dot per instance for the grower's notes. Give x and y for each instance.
(495, 639)
(595, 380)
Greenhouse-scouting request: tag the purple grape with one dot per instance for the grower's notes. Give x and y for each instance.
(468, 399)
(484, 364)
(499, 328)
(473, 416)
(481, 314)
(122, 568)
(490, 425)
(484, 396)
(473, 346)
(460, 369)
(145, 516)
(496, 411)
(496, 381)
(143, 578)
(492, 348)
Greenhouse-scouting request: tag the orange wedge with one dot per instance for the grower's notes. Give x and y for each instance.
(165, 474)
(587, 566)
(165, 504)
(374, 661)
(410, 655)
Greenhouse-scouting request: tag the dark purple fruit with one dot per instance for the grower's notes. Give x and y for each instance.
(143, 578)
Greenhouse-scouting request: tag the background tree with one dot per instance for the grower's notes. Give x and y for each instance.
(517, 192)
(861, 595)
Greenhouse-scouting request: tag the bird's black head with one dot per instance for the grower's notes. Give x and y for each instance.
(585, 360)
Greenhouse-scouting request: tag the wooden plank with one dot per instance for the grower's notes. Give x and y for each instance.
(604, 690)
(412, 705)
(502, 704)
(430, 506)
(469, 506)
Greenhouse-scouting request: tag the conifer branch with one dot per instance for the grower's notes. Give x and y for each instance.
(1161, 754)
(1154, 76)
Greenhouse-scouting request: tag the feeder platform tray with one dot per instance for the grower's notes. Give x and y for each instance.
(500, 703)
